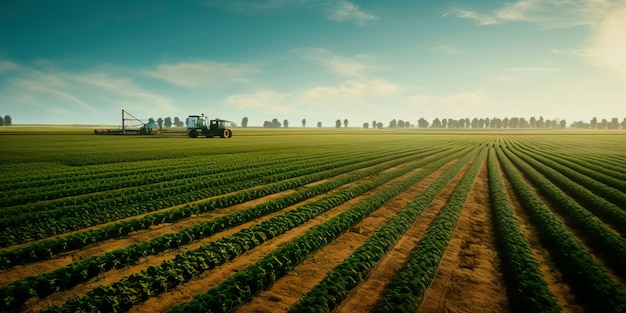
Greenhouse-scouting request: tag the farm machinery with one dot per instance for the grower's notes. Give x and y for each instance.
(200, 125)
(130, 126)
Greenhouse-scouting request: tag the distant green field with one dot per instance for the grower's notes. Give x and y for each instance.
(118, 223)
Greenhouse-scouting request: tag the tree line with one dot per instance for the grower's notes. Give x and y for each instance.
(6, 120)
(465, 123)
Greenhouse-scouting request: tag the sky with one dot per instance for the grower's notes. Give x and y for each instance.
(82, 62)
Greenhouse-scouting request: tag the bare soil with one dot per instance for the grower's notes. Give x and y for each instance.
(366, 295)
(288, 290)
(551, 274)
(209, 279)
(468, 279)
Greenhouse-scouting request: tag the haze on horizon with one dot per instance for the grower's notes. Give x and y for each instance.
(82, 62)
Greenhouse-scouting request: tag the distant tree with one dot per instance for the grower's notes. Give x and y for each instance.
(275, 123)
(474, 123)
(614, 123)
(562, 124)
(624, 123)
(160, 122)
(303, 122)
(444, 123)
(8, 121)
(244, 122)
(523, 123)
(379, 125)
(268, 124)
(1, 121)
(178, 122)
(374, 124)
(319, 124)
(604, 124)
(505, 123)
(436, 123)
(486, 122)
(462, 123)
(422, 123)
(366, 125)
(540, 123)
(393, 123)
(338, 123)
(400, 124)
(533, 122)
(481, 123)
(167, 122)
(594, 123)
(514, 122)
(285, 123)
(345, 123)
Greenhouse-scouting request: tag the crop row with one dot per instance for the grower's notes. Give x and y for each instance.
(78, 272)
(602, 237)
(333, 289)
(587, 189)
(410, 283)
(57, 189)
(76, 175)
(595, 171)
(185, 266)
(593, 284)
(527, 288)
(214, 177)
(141, 203)
(599, 162)
(46, 249)
(238, 288)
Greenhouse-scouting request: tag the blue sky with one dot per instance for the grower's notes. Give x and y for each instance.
(82, 62)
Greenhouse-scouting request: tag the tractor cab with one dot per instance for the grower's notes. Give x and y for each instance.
(200, 125)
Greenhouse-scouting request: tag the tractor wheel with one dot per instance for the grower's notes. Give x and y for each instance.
(227, 133)
(193, 133)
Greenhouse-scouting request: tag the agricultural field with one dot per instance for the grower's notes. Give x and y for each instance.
(313, 221)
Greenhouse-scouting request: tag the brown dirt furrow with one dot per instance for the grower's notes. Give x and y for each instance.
(209, 279)
(367, 294)
(98, 248)
(551, 274)
(469, 279)
(116, 275)
(293, 286)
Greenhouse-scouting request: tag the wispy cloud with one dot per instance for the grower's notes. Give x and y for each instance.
(55, 90)
(345, 66)
(545, 13)
(530, 69)
(200, 74)
(343, 10)
(335, 10)
(445, 49)
(343, 98)
(466, 100)
(480, 19)
(607, 47)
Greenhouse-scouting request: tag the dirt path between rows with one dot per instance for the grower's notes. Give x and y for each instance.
(209, 279)
(112, 276)
(551, 274)
(64, 259)
(366, 295)
(289, 289)
(469, 279)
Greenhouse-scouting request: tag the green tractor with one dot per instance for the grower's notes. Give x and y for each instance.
(200, 125)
